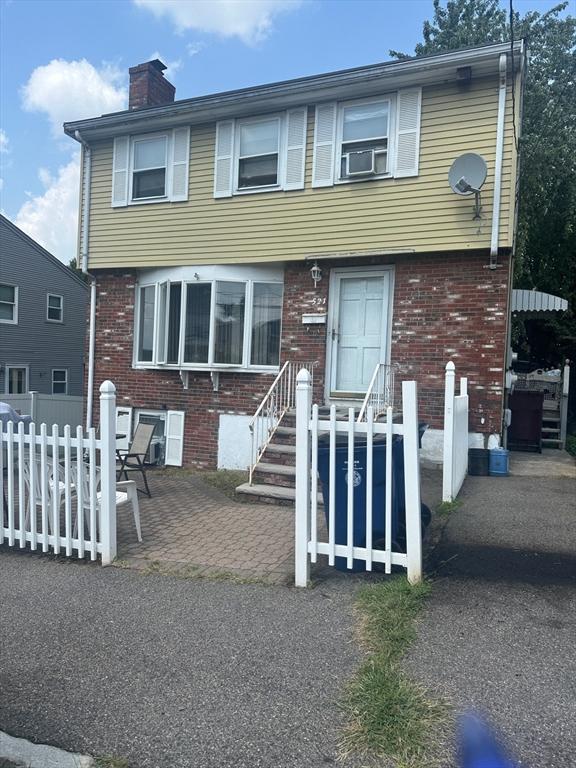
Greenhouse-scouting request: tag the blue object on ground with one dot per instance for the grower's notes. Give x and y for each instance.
(498, 462)
(478, 746)
(378, 492)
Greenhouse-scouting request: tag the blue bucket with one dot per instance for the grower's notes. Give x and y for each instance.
(498, 462)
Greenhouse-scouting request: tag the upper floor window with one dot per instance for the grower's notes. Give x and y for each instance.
(209, 324)
(260, 154)
(8, 303)
(364, 139)
(151, 168)
(371, 138)
(54, 308)
(149, 162)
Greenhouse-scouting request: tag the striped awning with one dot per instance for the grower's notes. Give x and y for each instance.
(535, 303)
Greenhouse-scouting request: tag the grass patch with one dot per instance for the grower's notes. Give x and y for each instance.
(226, 481)
(107, 761)
(571, 445)
(389, 715)
(190, 571)
(446, 508)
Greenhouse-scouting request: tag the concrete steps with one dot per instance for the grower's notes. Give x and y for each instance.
(272, 494)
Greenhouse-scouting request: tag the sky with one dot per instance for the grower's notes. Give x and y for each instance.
(64, 60)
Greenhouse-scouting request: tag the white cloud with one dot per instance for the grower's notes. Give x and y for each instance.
(51, 218)
(73, 90)
(249, 20)
(171, 66)
(4, 142)
(194, 48)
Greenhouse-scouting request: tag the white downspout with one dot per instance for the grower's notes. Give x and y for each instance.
(85, 230)
(502, 66)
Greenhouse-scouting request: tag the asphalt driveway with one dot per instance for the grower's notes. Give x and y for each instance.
(172, 673)
(499, 633)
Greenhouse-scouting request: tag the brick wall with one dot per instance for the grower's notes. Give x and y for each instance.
(445, 307)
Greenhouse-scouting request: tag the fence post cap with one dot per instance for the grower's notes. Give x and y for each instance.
(450, 366)
(303, 376)
(107, 388)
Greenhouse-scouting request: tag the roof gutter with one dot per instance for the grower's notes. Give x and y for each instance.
(219, 105)
(84, 225)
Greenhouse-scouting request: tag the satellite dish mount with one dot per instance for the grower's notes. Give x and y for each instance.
(466, 177)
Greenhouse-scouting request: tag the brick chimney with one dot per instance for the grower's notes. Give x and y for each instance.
(148, 87)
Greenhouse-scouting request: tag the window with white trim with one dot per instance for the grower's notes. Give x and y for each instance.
(151, 168)
(16, 379)
(260, 154)
(209, 324)
(8, 303)
(367, 139)
(59, 381)
(149, 158)
(54, 308)
(364, 132)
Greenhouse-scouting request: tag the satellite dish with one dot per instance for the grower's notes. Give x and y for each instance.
(467, 174)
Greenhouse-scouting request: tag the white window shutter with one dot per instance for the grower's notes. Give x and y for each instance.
(224, 158)
(408, 132)
(324, 145)
(180, 158)
(174, 438)
(296, 124)
(123, 427)
(120, 165)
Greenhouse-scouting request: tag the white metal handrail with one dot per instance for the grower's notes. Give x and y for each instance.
(380, 393)
(280, 398)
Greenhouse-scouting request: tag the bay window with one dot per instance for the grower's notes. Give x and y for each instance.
(209, 324)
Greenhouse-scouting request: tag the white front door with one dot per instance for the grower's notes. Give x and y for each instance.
(358, 338)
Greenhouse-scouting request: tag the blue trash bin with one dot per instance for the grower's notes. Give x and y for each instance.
(359, 481)
(378, 492)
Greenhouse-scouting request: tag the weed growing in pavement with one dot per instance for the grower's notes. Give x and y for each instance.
(446, 508)
(388, 714)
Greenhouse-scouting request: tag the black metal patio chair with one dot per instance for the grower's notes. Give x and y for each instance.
(133, 459)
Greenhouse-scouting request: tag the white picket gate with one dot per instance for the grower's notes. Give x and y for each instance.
(455, 461)
(309, 426)
(58, 489)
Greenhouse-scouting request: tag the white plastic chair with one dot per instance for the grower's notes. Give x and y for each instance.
(52, 489)
(126, 491)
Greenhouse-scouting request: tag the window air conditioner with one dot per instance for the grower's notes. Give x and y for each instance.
(360, 163)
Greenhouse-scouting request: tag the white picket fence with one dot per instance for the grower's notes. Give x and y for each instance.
(58, 487)
(48, 409)
(308, 544)
(455, 461)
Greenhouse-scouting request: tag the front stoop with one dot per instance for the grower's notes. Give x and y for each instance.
(274, 479)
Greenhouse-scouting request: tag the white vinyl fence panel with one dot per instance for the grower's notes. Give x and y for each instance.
(58, 486)
(48, 409)
(455, 462)
(309, 543)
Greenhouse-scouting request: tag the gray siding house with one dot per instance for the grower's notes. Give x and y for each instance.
(42, 318)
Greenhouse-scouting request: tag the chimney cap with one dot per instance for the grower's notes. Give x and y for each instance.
(154, 64)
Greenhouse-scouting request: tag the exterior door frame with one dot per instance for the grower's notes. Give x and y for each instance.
(333, 310)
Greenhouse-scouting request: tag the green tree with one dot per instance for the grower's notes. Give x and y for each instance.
(546, 237)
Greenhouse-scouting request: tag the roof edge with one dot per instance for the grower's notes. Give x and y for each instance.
(43, 252)
(290, 87)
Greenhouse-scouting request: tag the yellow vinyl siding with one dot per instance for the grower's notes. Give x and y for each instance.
(418, 213)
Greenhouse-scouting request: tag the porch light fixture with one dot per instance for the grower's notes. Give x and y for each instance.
(316, 273)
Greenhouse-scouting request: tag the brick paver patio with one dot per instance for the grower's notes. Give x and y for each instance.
(189, 523)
